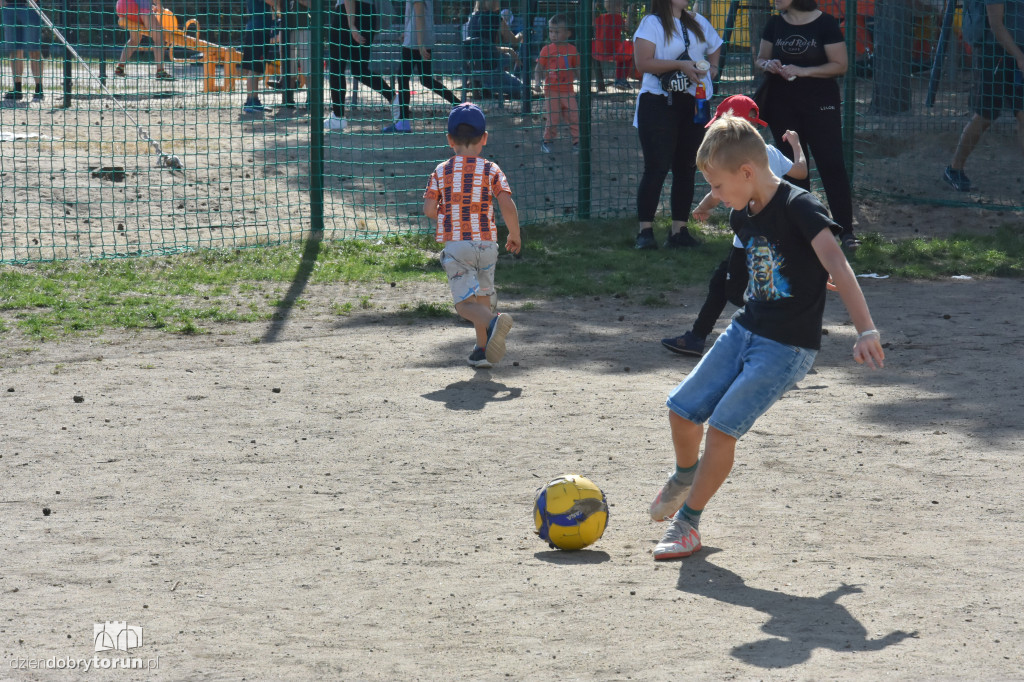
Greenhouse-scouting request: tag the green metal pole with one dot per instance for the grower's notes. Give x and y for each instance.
(850, 94)
(585, 37)
(315, 104)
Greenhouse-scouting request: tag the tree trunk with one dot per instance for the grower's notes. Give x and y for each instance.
(893, 38)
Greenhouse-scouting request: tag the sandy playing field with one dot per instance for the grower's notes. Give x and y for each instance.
(341, 498)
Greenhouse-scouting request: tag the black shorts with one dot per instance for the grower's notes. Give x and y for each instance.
(998, 86)
(257, 49)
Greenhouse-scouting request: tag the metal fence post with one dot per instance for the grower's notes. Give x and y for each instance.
(315, 104)
(67, 55)
(586, 101)
(850, 89)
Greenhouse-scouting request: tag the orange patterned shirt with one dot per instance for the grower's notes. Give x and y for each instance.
(465, 188)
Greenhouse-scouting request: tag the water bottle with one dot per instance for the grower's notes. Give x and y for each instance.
(701, 115)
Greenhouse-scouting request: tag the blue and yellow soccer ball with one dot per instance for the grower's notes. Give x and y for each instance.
(570, 512)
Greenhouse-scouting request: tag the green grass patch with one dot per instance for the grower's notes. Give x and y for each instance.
(189, 293)
(1000, 254)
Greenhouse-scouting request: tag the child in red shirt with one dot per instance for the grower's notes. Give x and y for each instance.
(557, 68)
(607, 45)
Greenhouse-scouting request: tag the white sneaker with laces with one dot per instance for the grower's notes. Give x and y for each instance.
(680, 540)
(335, 122)
(669, 500)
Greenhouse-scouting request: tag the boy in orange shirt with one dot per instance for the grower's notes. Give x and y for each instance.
(558, 67)
(460, 199)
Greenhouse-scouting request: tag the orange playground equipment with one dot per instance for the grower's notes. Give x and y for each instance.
(228, 59)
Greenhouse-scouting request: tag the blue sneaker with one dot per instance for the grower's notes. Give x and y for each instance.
(478, 359)
(399, 126)
(253, 108)
(496, 334)
(687, 344)
(957, 179)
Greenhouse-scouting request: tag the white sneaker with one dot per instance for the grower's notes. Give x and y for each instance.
(335, 122)
(680, 540)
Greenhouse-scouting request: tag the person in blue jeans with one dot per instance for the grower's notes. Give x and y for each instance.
(22, 35)
(791, 251)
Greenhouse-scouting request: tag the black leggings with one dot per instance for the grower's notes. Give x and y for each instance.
(412, 61)
(342, 52)
(727, 285)
(820, 126)
(669, 139)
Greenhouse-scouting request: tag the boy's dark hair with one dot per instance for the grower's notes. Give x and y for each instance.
(466, 135)
(804, 5)
(559, 20)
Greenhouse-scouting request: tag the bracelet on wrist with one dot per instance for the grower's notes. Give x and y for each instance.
(868, 332)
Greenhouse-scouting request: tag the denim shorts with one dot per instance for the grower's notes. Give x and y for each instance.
(470, 268)
(22, 29)
(738, 380)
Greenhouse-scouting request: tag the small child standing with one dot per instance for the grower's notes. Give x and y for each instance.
(460, 198)
(558, 67)
(791, 252)
(609, 27)
(730, 277)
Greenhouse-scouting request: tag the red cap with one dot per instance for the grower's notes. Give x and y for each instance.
(738, 105)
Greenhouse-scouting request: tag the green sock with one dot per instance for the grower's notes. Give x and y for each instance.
(684, 475)
(691, 516)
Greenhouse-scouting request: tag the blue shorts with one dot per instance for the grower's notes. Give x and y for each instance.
(22, 29)
(738, 380)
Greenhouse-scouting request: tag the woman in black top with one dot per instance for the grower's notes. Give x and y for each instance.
(487, 31)
(353, 25)
(802, 53)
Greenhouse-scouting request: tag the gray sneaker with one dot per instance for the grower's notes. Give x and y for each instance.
(669, 500)
(680, 540)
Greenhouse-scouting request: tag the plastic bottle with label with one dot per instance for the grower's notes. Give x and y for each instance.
(701, 114)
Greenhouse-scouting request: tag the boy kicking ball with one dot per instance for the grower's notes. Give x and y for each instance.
(460, 199)
(772, 342)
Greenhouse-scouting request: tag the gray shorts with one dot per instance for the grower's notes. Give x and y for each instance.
(22, 29)
(470, 268)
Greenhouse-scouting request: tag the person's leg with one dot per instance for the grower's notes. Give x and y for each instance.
(156, 34)
(409, 58)
(969, 139)
(552, 117)
(572, 117)
(714, 303)
(825, 140)
(435, 85)
(337, 60)
(598, 76)
(684, 173)
(17, 67)
(658, 138)
(361, 70)
(477, 309)
(36, 62)
(130, 48)
(713, 469)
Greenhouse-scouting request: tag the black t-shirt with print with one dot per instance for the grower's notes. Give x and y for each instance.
(785, 297)
(802, 46)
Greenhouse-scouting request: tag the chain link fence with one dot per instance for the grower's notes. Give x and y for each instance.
(124, 156)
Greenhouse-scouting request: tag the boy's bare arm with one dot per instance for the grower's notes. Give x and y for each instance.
(430, 208)
(705, 207)
(868, 348)
(510, 214)
(799, 169)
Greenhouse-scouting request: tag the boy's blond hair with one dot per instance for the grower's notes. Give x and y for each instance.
(730, 142)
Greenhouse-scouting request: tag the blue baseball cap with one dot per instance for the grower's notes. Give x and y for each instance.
(469, 114)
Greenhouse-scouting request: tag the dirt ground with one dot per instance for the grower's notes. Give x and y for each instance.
(342, 498)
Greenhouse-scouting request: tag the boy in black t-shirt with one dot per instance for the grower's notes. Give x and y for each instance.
(771, 344)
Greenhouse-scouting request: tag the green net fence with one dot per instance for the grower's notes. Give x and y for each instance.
(149, 137)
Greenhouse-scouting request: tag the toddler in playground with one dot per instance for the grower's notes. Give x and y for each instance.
(460, 199)
(558, 68)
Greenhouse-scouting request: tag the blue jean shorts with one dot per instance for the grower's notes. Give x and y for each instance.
(22, 29)
(738, 380)
(470, 268)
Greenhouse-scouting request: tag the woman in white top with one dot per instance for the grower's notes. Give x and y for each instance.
(669, 40)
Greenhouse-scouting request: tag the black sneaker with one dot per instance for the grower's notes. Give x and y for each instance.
(687, 344)
(645, 240)
(681, 240)
(38, 96)
(958, 179)
(13, 94)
